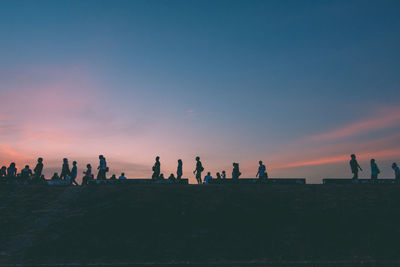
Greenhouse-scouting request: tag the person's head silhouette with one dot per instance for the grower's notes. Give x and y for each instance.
(372, 161)
(353, 156)
(157, 158)
(394, 165)
(260, 162)
(179, 161)
(40, 160)
(197, 158)
(74, 163)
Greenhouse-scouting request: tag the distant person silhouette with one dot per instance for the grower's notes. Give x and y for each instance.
(101, 175)
(39, 168)
(235, 172)
(374, 170)
(74, 173)
(156, 169)
(179, 171)
(26, 173)
(87, 175)
(122, 177)
(223, 175)
(199, 169)
(207, 178)
(12, 171)
(261, 173)
(218, 176)
(65, 169)
(113, 177)
(161, 177)
(354, 166)
(396, 170)
(55, 177)
(171, 177)
(3, 172)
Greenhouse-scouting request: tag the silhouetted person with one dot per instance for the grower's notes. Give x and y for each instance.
(396, 170)
(113, 177)
(11, 171)
(156, 169)
(161, 177)
(87, 175)
(218, 176)
(179, 171)
(74, 173)
(39, 168)
(354, 166)
(261, 173)
(235, 172)
(26, 173)
(65, 169)
(374, 170)
(171, 177)
(101, 175)
(3, 172)
(207, 178)
(55, 177)
(223, 175)
(199, 169)
(122, 177)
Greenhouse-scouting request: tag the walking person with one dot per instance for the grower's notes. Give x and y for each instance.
(199, 169)
(38, 169)
(354, 166)
(74, 173)
(101, 175)
(374, 170)
(261, 173)
(65, 169)
(156, 169)
(179, 171)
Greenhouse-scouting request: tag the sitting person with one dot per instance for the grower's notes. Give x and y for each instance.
(3, 172)
(11, 171)
(161, 177)
(122, 177)
(87, 175)
(207, 178)
(55, 177)
(171, 177)
(26, 173)
(113, 177)
(218, 176)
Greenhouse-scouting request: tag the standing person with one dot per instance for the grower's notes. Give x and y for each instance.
(396, 170)
(223, 175)
(354, 166)
(74, 173)
(235, 172)
(199, 169)
(65, 169)
(11, 171)
(261, 171)
(374, 170)
(39, 168)
(101, 175)
(179, 171)
(88, 175)
(156, 169)
(207, 178)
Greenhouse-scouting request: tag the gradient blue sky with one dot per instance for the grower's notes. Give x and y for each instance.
(297, 84)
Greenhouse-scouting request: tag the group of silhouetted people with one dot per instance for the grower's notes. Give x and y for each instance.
(375, 171)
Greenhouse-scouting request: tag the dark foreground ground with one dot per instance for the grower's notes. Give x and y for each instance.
(231, 224)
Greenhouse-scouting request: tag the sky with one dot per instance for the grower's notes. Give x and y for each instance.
(300, 85)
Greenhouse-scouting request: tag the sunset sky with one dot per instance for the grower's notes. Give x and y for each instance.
(298, 84)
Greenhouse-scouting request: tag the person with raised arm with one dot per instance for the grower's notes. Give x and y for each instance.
(156, 169)
(354, 166)
(199, 169)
